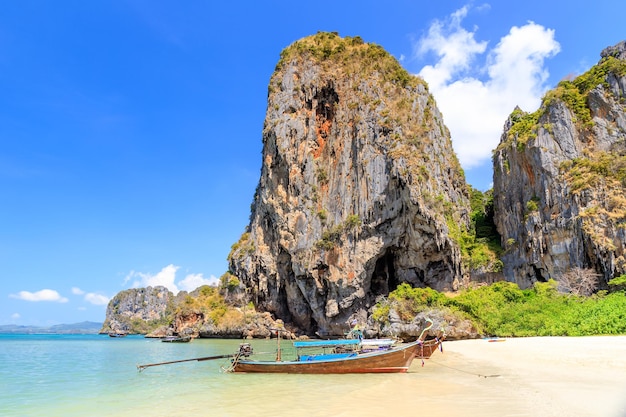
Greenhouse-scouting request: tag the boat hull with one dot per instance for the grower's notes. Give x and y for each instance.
(396, 360)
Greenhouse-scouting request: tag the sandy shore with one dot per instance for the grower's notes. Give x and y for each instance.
(542, 376)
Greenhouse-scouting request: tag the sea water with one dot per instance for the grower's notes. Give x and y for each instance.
(96, 375)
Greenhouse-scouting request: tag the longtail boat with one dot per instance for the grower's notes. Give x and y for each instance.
(340, 361)
(345, 356)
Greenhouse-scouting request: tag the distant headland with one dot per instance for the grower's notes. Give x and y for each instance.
(85, 327)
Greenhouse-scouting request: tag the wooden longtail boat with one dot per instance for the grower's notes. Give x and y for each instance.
(383, 360)
(345, 356)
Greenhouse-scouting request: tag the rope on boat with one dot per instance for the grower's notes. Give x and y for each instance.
(232, 365)
(245, 350)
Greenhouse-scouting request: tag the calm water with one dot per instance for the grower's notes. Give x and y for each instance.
(95, 375)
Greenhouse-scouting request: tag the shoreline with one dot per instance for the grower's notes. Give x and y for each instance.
(97, 376)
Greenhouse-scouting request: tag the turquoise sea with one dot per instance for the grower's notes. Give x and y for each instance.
(96, 375)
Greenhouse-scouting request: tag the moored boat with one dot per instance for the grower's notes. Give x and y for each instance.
(345, 356)
(118, 334)
(349, 358)
(176, 339)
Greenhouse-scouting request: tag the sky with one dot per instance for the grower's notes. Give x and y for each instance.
(130, 130)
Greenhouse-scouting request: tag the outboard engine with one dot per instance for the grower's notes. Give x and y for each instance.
(245, 350)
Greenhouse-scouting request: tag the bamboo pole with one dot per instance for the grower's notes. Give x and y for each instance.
(206, 358)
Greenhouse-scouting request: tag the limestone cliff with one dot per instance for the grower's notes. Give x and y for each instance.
(134, 306)
(360, 188)
(560, 178)
(205, 312)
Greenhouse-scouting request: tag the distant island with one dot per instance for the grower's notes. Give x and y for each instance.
(85, 327)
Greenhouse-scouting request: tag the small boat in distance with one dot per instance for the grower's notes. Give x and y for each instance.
(176, 339)
(118, 334)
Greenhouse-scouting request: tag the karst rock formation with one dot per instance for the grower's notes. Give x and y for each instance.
(135, 305)
(560, 179)
(359, 190)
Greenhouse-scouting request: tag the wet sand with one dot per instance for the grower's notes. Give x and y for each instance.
(542, 376)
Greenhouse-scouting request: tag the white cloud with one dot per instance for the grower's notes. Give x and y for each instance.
(483, 7)
(193, 281)
(165, 278)
(454, 46)
(91, 297)
(475, 110)
(15, 316)
(96, 299)
(42, 295)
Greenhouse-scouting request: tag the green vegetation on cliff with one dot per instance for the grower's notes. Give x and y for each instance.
(209, 303)
(219, 307)
(585, 173)
(597, 75)
(503, 309)
(600, 169)
(523, 127)
(329, 47)
(243, 247)
(480, 245)
(571, 92)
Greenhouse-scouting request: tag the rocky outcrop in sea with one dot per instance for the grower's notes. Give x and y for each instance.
(157, 312)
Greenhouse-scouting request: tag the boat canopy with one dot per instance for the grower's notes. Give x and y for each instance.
(326, 343)
(377, 342)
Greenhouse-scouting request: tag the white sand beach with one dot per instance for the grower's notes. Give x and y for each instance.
(539, 376)
(520, 377)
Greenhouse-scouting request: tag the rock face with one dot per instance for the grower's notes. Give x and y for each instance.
(560, 178)
(157, 312)
(144, 304)
(360, 188)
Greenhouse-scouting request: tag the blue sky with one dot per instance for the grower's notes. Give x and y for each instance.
(130, 131)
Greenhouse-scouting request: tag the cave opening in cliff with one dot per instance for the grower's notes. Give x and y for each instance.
(384, 279)
(539, 274)
(326, 98)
